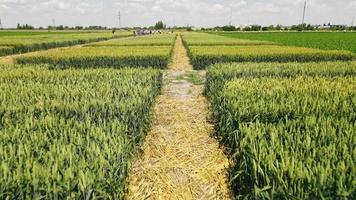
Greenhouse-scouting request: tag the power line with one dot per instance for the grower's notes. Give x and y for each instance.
(119, 19)
(230, 22)
(305, 7)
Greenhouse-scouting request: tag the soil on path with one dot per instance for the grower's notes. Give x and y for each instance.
(180, 159)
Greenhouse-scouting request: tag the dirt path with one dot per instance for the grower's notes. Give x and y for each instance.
(180, 160)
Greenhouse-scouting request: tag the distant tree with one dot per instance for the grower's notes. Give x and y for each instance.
(96, 28)
(338, 27)
(256, 28)
(60, 27)
(229, 28)
(294, 27)
(160, 25)
(265, 28)
(25, 27)
(113, 31)
(278, 27)
(302, 27)
(299, 27)
(247, 28)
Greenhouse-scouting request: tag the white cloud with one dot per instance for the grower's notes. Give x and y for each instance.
(179, 12)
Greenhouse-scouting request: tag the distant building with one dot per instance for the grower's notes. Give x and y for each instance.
(331, 27)
(196, 28)
(323, 27)
(245, 26)
(286, 27)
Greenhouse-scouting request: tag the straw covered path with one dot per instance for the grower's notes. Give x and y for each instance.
(180, 159)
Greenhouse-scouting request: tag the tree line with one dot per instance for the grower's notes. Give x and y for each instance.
(299, 27)
(161, 25)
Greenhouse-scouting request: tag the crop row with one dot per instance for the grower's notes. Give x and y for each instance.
(201, 57)
(320, 40)
(288, 127)
(149, 40)
(134, 56)
(204, 39)
(22, 44)
(70, 134)
(207, 49)
(50, 33)
(219, 74)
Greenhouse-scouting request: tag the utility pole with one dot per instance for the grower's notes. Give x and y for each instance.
(352, 22)
(119, 19)
(53, 23)
(1, 24)
(305, 7)
(230, 22)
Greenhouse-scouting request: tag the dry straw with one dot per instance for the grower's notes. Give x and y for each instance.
(180, 160)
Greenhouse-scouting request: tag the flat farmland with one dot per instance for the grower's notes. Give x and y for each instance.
(320, 40)
(185, 115)
(112, 56)
(289, 127)
(32, 33)
(23, 42)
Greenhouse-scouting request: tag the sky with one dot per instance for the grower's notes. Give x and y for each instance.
(199, 13)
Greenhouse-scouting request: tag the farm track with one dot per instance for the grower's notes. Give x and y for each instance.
(180, 159)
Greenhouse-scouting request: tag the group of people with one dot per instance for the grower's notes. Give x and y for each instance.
(149, 32)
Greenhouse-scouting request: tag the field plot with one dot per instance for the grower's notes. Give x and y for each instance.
(289, 128)
(219, 74)
(285, 114)
(201, 57)
(37, 32)
(150, 40)
(136, 56)
(71, 133)
(5, 50)
(33, 42)
(204, 39)
(320, 40)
